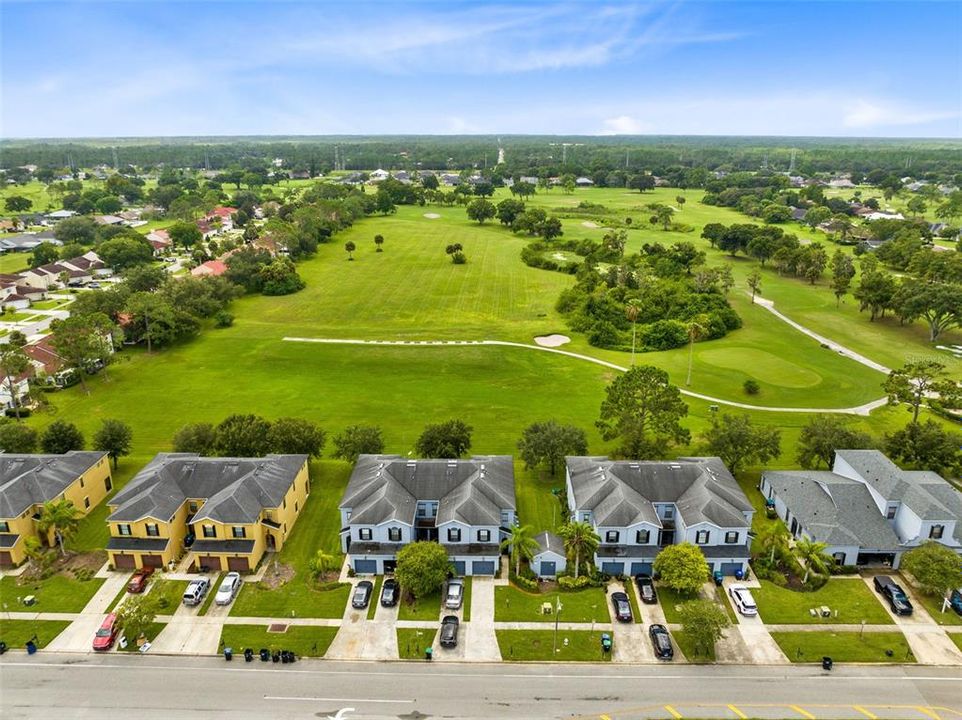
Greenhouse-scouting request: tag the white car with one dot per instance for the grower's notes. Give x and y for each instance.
(743, 600)
(455, 594)
(228, 589)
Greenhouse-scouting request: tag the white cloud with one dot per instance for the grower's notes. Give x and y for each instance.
(869, 114)
(625, 125)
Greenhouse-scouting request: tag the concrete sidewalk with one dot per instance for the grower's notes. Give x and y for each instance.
(79, 635)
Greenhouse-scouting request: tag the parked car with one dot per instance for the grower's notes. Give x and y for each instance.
(743, 600)
(196, 591)
(882, 584)
(228, 589)
(646, 589)
(107, 634)
(449, 631)
(955, 600)
(362, 594)
(899, 601)
(93, 285)
(661, 642)
(138, 583)
(455, 594)
(619, 601)
(389, 593)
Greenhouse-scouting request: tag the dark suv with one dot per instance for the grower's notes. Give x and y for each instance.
(893, 592)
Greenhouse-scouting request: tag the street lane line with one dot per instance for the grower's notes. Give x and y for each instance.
(674, 713)
(866, 713)
(738, 712)
(603, 717)
(929, 712)
(331, 699)
(803, 713)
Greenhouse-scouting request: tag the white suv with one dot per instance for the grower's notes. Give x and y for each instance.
(743, 600)
(195, 592)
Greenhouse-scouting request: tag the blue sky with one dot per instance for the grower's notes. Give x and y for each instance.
(164, 68)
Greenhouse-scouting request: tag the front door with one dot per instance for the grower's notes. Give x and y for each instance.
(666, 537)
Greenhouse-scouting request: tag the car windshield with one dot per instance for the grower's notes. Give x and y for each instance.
(103, 632)
(454, 590)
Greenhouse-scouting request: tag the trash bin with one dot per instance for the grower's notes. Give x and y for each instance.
(717, 577)
(739, 574)
(265, 654)
(3, 647)
(276, 657)
(248, 655)
(428, 653)
(605, 642)
(291, 657)
(31, 647)
(228, 654)
(284, 659)
(827, 663)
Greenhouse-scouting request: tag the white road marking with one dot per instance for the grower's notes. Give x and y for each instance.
(329, 699)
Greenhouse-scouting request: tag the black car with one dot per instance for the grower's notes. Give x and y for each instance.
(646, 589)
(899, 601)
(362, 594)
(389, 593)
(449, 631)
(883, 584)
(619, 601)
(661, 642)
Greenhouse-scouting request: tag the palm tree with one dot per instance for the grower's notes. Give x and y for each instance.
(697, 327)
(580, 540)
(379, 241)
(521, 544)
(350, 247)
(772, 538)
(631, 312)
(814, 555)
(62, 517)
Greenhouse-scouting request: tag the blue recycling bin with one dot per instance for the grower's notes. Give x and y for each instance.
(739, 575)
(31, 647)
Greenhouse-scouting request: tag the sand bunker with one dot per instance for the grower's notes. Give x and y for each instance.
(552, 340)
(589, 224)
(431, 216)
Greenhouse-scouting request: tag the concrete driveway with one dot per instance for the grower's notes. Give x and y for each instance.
(190, 633)
(478, 638)
(630, 640)
(79, 635)
(363, 639)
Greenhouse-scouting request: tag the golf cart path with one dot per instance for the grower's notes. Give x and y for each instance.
(864, 409)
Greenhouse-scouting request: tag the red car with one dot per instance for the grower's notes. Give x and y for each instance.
(138, 582)
(107, 634)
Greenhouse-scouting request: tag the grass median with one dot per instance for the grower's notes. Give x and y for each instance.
(869, 647)
(540, 645)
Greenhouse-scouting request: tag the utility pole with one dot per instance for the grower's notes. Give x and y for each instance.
(626, 158)
(791, 164)
(557, 615)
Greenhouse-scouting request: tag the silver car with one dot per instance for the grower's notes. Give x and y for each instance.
(228, 589)
(455, 594)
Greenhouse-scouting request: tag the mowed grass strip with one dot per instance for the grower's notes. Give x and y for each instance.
(169, 594)
(423, 608)
(850, 598)
(303, 640)
(539, 645)
(150, 634)
(869, 647)
(375, 597)
(933, 605)
(411, 642)
(512, 604)
(57, 593)
(16, 633)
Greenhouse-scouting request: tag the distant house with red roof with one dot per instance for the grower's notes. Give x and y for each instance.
(211, 268)
(160, 241)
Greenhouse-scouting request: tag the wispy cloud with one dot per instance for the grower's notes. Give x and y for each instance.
(874, 114)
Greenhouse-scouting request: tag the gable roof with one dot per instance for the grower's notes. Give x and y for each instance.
(473, 491)
(623, 493)
(549, 542)
(233, 489)
(27, 480)
(926, 493)
(833, 509)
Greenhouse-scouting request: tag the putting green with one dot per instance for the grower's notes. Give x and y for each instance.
(762, 366)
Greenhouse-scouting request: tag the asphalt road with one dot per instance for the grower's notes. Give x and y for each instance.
(145, 687)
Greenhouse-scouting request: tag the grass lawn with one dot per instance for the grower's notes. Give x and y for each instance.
(58, 593)
(49, 304)
(211, 594)
(537, 506)
(153, 630)
(295, 599)
(844, 646)
(425, 608)
(523, 645)
(583, 606)
(411, 642)
(670, 600)
(933, 606)
(16, 316)
(303, 640)
(957, 639)
(632, 591)
(850, 597)
(375, 597)
(15, 633)
(687, 647)
(13, 262)
(169, 593)
(466, 605)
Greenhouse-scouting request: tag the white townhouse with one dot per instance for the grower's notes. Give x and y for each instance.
(466, 505)
(639, 507)
(866, 509)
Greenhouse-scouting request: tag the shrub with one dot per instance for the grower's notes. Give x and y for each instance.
(603, 334)
(570, 583)
(525, 583)
(664, 335)
(459, 258)
(223, 319)
(751, 387)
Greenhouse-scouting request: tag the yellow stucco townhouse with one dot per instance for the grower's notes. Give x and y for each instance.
(226, 512)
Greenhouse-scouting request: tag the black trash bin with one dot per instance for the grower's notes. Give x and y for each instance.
(291, 657)
(3, 647)
(827, 663)
(276, 657)
(265, 655)
(248, 655)
(228, 654)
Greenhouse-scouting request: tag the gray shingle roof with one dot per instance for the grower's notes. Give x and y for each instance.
(926, 493)
(549, 541)
(622, 493)
(27, 480)
(138, 544)
(222, 546)
(473, 491)
(833, 509)
(8, 541)
(234, 489)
